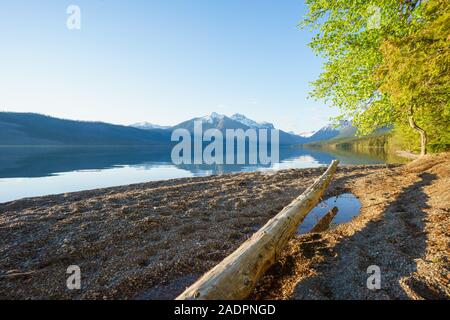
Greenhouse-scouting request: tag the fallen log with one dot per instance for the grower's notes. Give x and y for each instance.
(325, 221)
(235, 277)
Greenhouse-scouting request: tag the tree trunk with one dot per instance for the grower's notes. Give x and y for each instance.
(235, 277)
(423, 134)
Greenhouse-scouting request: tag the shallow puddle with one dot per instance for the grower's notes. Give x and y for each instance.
(348, 204)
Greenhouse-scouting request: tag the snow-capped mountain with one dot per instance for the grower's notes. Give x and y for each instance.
(212, 118)
(307, 134)
(212, 121)
(343, 129)
(148, 126)
(222, 122)
(251, 123)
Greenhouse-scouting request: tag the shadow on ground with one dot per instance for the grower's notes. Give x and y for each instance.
(393, 243)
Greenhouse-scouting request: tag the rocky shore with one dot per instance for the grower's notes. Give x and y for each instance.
(150, 241)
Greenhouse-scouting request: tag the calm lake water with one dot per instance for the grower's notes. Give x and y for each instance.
(37, 171)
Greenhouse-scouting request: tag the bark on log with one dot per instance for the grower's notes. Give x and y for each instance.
(324, 223)
(235, 277)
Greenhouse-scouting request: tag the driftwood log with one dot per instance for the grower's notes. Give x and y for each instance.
(235, 277)
(325, 222)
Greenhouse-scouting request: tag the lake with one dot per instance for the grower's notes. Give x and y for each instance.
(38, 171)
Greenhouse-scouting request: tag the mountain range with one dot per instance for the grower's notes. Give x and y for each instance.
(239, 121)
(37, 129)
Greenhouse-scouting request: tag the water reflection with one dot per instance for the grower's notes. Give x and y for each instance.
(349, 206)
(34, 171)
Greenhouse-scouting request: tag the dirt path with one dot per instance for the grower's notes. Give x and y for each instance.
(404, 228)
(150, 241)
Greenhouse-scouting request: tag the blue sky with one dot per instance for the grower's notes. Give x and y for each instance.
(162, 61)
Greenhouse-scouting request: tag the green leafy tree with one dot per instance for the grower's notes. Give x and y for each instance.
(353, 36)
(415, 75)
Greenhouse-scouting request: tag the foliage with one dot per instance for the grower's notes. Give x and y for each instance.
(367, 74)
(415, 74)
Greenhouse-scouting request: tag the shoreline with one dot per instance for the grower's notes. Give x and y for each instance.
(151, 240)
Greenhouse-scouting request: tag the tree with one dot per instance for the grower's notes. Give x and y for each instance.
(415, 74)
(355, 49)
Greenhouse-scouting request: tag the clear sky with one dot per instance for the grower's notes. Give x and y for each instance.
(161, 61)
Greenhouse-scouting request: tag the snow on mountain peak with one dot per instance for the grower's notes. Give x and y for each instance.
(306, 134)
(212, 118)
(251, 123)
